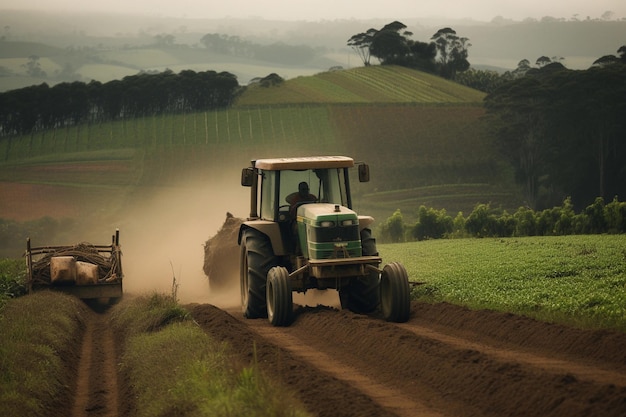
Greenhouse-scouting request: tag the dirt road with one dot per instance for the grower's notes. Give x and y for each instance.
(445, 361)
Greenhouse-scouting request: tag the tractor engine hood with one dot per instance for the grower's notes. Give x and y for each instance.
(325, 211)
(328, 231)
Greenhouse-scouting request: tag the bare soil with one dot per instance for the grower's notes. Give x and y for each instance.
(98, 392)
(445, 361)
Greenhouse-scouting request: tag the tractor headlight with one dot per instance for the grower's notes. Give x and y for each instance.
(327, 224)
(348, 222)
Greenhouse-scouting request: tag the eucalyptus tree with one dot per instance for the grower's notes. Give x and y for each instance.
(392, 45)
(361, 43)
(452, 52)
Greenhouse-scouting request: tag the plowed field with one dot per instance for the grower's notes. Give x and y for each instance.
(445, 361)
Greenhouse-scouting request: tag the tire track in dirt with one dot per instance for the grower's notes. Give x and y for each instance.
(446, 360)
(555, 366)
(322, 394)
(96, 392)
(387, 398)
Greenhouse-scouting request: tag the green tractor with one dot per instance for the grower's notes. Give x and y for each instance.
(303, 234)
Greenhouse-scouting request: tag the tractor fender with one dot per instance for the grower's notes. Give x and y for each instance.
(269, 229)
(365, 222)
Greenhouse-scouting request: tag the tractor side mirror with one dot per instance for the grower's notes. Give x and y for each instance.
(364, 173)
(247, 177)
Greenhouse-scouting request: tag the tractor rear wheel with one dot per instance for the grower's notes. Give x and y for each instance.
(256, 259)
(361, 294)
(395, 295)
(279, 297)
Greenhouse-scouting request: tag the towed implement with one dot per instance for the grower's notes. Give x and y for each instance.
(84, 270)
(303, 234)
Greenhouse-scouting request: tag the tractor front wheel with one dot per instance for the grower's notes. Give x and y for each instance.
(279, 297)
(395, 295)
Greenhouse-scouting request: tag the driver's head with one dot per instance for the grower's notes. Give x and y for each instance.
(303, 188)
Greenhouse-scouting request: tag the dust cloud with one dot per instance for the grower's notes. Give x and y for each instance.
(163, 233)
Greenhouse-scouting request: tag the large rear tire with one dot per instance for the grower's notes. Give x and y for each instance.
(279, 297)
(395, 295)
(256, 259)
(361, 295)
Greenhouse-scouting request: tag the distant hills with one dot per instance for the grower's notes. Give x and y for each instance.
(106, 47)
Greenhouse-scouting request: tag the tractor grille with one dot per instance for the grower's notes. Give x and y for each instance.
(335, 242)
(335, 234)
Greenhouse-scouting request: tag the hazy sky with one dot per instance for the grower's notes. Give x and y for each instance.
(336, 9)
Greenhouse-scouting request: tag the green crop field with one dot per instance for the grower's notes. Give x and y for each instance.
(578, 280)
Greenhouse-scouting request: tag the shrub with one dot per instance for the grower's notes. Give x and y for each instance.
(593, 217)
(482, 221)
(432, 224)
(525, 222)
(615, 216)
(557, 221)
(12, 278)
(485, 221)
(458, 226)
(393, 228)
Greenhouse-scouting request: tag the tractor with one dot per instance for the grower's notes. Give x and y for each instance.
(303, 234)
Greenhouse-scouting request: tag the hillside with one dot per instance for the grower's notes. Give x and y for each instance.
(422, 136)
(363, 85)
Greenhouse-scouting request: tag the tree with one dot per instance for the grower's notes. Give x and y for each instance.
(361, 43)
(33, 67)
(483, 80)
(390, 45)
(612, 59)
(165, 39)
(563, 132)
(452, 52)
(516, 118)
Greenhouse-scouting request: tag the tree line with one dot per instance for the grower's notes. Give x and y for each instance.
(486, 221)
(446, 54)
(41, 107)
(564, 131)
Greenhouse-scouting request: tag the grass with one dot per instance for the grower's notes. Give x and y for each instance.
(12, 279)
(576, 280)
(38, 344)
(174, 367)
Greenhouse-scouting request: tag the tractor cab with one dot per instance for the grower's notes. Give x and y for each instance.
(322, 212)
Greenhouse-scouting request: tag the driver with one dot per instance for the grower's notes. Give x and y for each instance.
(301, 196)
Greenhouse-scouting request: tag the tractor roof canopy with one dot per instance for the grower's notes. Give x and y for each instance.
(307, 162)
